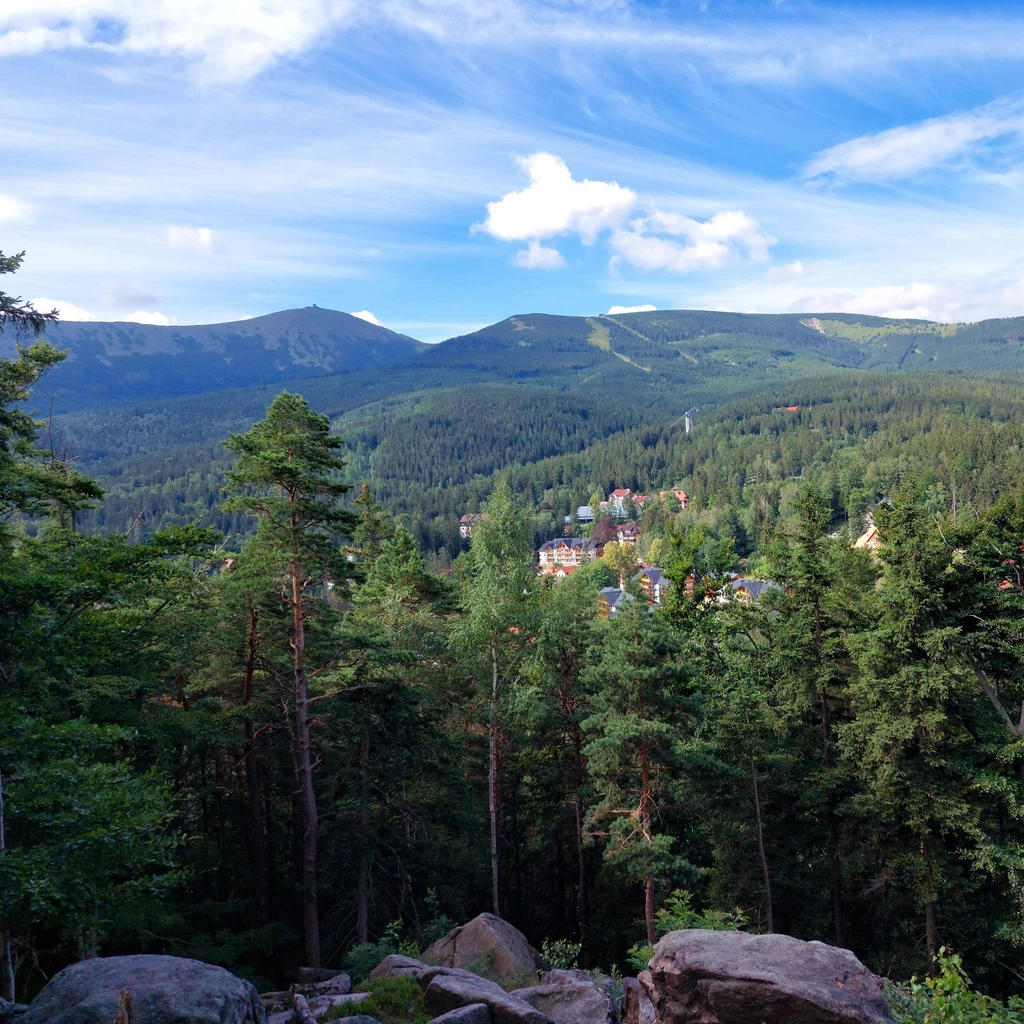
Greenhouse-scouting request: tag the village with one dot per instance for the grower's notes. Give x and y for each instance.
(609, 529)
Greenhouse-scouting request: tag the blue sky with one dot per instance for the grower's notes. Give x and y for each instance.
(446, 163)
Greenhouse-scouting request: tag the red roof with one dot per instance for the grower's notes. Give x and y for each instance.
(621, 492)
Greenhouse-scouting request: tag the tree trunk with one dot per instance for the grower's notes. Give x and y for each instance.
(363, 910)
(307, 796)
(255, 838)
(931, 937)
(492, 778)
(769, 914)
(645, 828)
(7, 988)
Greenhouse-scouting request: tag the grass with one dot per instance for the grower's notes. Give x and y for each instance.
(392, 1001)
(600, 336)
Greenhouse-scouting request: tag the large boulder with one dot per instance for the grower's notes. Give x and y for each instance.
(637, 1008)
(488, 946)
(451, 990)
(476, 1013)
(570, 997)
(166, 990)
(703, 977)
(397, 966)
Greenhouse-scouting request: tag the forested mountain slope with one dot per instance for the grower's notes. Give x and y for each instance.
(117, 362)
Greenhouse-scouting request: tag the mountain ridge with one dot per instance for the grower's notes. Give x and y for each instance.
(120, 361)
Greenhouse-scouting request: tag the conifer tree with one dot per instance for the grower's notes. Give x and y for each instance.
(286, 476)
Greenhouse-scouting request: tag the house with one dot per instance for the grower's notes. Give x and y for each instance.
(564, 551)
(869, 540)
(627, 533)
(562, 571)
(747, 590)
(655, 585)
(680, 495)
(618, 499)
(468, 521)
(584, 514)
(641, 500)
(610, 600)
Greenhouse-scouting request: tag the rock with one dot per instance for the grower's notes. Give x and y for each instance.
(488, 946)
(475, 1013)
(397, 966)
(320, 1005)
(703, 977)
(166, 989)
(312, 975)
(638, 1008)
(280, 1017)
(448, 992)
(569, 997)
(9, 1010)
(359, 1018)
(339, 985)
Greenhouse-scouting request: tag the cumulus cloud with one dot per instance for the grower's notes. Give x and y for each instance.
(190, 239)
(141, 316)
(646, 308)
(554, 203)
(909, 149)
(365, 314)
(67, 310)
(538, 257)
(710, 244)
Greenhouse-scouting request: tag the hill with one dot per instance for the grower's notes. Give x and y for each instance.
(110, 363)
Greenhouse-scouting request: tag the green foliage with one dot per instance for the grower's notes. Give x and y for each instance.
(392, 1001)
(678, 913)
(561, 953)
(947, 998)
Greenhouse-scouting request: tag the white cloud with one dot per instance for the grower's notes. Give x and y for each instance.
(788, 271)
(67, 310)
(909, 149)
(189, 239)
(554, 203)
(723, 238)
(646, 308)
(11, 209)
(365, 314)
(141, 316)
(538, 257)
(225, 40)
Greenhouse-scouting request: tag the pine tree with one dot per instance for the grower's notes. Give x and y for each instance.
(286, 476)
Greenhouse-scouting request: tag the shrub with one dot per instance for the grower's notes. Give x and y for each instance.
(678, 913)
(561, 953)
(949, 999)
(392, 1001)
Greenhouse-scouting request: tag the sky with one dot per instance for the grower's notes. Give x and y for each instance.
(438, 165)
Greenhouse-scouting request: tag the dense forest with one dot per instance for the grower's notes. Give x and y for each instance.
(312, 748)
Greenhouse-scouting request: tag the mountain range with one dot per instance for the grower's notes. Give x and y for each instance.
(119, 362)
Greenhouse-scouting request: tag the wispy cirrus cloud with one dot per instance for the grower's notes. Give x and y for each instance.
(907, 150)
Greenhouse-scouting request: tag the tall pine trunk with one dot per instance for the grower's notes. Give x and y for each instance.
(363, 909)
(761, 856)
(645, 827)
(255, 839)
(304, 766)
(492, 778)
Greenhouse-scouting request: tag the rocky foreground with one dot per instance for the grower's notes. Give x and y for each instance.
(485, 972)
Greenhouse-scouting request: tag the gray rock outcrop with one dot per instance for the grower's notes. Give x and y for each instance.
(569, 997)
(704, 977)
(397, 966)
(488, 946)
(452, 990)
(166, 990)
(476, 1013)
